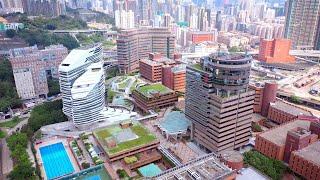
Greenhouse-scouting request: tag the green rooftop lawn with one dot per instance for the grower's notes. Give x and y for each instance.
(197, 66)
(12, 123)
(153, 87)
(144, 137)
(124, 84)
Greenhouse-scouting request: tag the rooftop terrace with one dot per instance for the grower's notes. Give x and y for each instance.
(291, 109)
(310, 152)
(126, 138)
(149, 90)
(278, 135)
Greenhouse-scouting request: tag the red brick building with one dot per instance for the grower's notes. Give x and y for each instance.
(154, 96)
(306, 162)
(275, 51)
(151, 69)
(200, 36)
(174, 77)
(281, 112)
(272, 142)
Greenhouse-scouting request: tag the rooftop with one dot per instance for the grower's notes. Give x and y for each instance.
(205, 167)
(175, 122)
(290, 108)
(77, 58)
(149, 90)
(278, 134)
(128, 138)
(310, 152)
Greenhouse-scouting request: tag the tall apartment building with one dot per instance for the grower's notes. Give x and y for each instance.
(302, 23)
(50, 8)
(219, 102)
(82, 85)
(11, 6)
(32, 67)
(136, 44)
(124, 19)
(275, 51)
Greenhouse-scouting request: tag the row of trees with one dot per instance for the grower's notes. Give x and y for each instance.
(23, 168)
(8, 93)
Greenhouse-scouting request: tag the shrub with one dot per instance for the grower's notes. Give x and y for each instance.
(85, 165)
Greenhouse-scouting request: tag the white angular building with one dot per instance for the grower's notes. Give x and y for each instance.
(83, 89)
(88, 95)
(80, 75)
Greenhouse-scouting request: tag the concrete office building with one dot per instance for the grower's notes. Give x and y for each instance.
(32, 67)
(80, 84)
(219, 102)
(136, 44)
(174, 77)
(302, 23)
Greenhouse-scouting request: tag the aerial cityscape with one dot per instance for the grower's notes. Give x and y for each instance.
(159, 89)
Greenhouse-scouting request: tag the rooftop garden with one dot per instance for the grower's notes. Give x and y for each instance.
(144, 137)
(12, 123)
(145, 90)
(197, 66)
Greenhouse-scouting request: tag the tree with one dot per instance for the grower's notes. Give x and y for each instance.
(295, 99)
(54, 87)
(10, 33)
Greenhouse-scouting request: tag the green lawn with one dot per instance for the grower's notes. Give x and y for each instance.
(144, 137)
(2, 134)
(153, 87)
(12, 123)
(124, 84)
(197, 66)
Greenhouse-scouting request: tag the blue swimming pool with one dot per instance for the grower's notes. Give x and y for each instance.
(56, 161)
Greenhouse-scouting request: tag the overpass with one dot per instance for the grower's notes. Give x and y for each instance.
(65, 31)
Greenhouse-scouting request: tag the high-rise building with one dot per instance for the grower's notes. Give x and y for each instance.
(219, 102)
(11, 6)
(48, 8)
(135, 44)
(302, 23)
(32, 67)
(82, 85)
(124, 19)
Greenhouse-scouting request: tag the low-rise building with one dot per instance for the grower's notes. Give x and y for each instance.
(275, 51)
(120, 141)
(281, 111)
(272, 142)
(174, 77)
(154, 96)
(151, 68)
(306, 162)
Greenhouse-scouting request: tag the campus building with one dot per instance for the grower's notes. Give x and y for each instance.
(151, 67)
(275, 51)
(219, 102)
(196, 37)
(154, 96)
(174, 77)
(281, 111)
(82, 85)
(33, 67)
(136, 44)
(161, 69)
(126, 140)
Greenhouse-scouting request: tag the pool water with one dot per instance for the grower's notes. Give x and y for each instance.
(56, 161)
(149, 170)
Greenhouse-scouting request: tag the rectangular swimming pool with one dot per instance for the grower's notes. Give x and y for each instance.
(56, 161)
